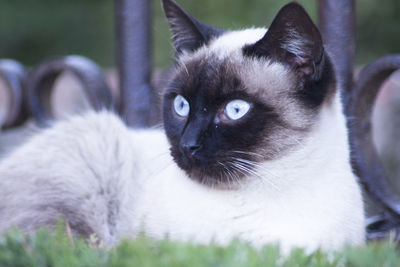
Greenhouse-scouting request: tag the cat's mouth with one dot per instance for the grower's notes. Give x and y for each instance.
(216, 171)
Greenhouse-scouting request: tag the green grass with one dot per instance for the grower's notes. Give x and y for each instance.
(56, 249)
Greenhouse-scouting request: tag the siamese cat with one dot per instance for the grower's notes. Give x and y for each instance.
(254, 147)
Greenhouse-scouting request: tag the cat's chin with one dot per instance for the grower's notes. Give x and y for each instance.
(210, 172)
(215, 178)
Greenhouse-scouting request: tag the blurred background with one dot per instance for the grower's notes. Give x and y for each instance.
(33, 30)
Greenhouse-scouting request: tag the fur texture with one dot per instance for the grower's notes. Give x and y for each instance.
(294, 184)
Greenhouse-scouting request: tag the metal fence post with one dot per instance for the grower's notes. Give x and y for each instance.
(134, 60)
(336, 19)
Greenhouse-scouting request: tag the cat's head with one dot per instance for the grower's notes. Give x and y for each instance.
(239, 98)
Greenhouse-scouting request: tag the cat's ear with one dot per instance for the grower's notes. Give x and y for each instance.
(188, 34)
(293, 39)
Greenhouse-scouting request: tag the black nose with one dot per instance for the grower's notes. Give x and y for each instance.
(190, 149)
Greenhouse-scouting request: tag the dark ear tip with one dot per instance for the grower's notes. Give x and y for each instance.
(293, 7)
(166, 2)
(168, 5)
(293, 4)
(297, 15)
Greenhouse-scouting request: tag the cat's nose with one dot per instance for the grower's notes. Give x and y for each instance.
(190, 149)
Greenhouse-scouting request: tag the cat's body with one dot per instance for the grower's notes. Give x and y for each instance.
(116, 182)
(279, 172)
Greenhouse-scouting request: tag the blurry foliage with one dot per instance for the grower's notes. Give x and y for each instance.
(32, 30)
(378, 29)
(56, 249)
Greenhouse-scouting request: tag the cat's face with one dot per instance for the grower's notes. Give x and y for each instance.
(239, 98)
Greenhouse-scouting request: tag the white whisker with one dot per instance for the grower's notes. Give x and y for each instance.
(183, 65)
(248, 153)
(158, 126)
(246, 167)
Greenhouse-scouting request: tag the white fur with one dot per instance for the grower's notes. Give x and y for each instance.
(226, 46)
(294, 43)
(124, 181)
(309, 199)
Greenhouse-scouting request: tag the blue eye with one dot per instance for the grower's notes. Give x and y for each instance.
(181, 106)
(236, 109)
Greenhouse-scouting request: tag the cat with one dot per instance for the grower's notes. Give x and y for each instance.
(255, 147)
